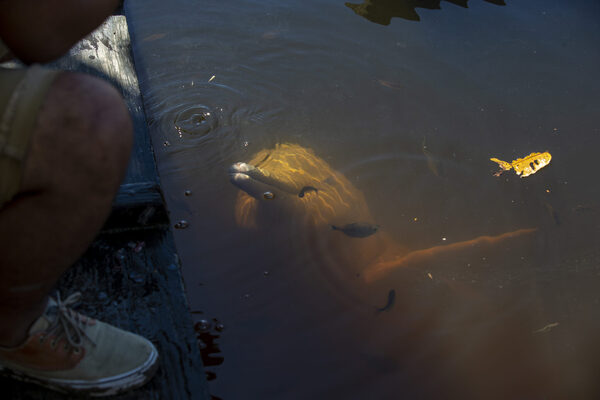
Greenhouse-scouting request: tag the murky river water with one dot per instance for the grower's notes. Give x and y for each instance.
(405, 115)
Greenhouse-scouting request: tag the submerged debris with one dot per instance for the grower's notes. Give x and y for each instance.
(547, 328)
(524, 166)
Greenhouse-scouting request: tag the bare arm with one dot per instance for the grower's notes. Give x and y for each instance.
(42, 30)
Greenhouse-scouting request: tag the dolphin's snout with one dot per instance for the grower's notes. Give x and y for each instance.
(239, 177)
(240, 167)
(247, 178)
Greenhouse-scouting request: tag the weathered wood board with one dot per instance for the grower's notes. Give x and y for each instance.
(106, 53)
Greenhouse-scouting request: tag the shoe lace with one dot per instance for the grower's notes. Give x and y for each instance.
(68, 322)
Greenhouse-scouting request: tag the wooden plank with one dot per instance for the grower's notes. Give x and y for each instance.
(106, 53)
(137, 206)
(138, 289)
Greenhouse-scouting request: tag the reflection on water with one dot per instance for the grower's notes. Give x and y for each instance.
(208, 334)
(382, 11)
(472, 286)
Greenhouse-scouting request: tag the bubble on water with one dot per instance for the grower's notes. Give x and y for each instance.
(268, 195)
(182, 224)
(203, 325)
(266, 273)
(195, 120)
(187, 192)
(220, 327)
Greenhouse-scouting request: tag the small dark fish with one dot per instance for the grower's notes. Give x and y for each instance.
(307, 189)
(357, 229)
(390, 301)
(263, 160)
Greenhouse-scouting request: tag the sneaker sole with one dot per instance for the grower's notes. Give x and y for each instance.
(98, 388)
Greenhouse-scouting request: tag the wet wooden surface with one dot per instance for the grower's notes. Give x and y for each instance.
(130, 276)
(107, 53)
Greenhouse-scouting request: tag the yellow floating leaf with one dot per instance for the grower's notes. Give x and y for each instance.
(531, 164)
(503, 164)
(527, 165)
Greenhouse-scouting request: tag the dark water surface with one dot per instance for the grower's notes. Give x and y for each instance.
(410, 113)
